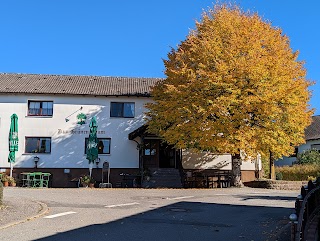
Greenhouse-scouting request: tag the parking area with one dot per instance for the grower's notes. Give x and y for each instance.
(156, 214)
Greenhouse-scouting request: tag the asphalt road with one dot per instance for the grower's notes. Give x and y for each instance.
(155, 214)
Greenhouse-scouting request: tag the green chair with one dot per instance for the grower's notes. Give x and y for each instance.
(26, 181)
(45, 179)
(36, 179)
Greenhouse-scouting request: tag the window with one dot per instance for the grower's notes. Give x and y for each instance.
(122, 109)
(103, 145)
(315, 146)
(150, 148)
(40, 108)
(38, 145)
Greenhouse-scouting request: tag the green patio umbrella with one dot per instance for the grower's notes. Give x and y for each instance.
(13, 141)
(92, 146)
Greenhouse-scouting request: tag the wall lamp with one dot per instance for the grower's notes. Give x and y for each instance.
(36, 160)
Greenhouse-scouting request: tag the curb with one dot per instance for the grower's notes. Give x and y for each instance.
(43, 210)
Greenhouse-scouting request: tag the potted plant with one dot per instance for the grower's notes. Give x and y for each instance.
(147, 174)
(5, 180)
(91, 182)
(12, 182)
(85, 180)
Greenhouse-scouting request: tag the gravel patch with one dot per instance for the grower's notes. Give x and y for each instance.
(17, 210)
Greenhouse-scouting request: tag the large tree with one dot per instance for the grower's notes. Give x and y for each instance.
(234, 84)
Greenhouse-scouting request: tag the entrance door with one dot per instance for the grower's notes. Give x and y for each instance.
(151, 153)
(167, 156)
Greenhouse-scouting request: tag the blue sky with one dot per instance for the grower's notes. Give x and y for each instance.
(130, 38)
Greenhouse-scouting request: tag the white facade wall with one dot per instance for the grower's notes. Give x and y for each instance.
(68, 139)
(206, 160)
(67, 148)
(287, 161)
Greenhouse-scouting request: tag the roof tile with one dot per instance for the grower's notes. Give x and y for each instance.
(312, 132)
(76, 85)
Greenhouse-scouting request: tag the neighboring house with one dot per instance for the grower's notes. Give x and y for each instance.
(312, 137)
(49, 131)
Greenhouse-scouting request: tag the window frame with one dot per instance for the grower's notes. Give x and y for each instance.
(41, 102)
(99, 138)
(150, 148)
(38, 146)
(315, 146)
(122, 112)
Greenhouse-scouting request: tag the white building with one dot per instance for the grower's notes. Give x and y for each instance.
(312, 137)
(48, 128)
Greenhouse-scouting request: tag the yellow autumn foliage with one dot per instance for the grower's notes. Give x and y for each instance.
(233, 84)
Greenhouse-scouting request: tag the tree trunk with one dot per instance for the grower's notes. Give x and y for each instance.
(272, 173)
(236, 171)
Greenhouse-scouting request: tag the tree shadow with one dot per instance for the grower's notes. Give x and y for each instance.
(187, 221)
(280, 198)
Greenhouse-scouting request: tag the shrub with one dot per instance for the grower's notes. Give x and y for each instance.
(85, 180)
(5, 178)
(311, 178)
(12, 181)
(279, 176)
(311, 156)
(299, 172)
(265, 167)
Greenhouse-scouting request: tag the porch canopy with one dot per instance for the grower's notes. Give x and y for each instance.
(154, 152)
(141, 132)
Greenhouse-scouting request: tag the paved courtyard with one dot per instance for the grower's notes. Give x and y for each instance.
(153, 214)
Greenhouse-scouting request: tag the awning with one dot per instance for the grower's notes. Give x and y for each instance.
(142, 130)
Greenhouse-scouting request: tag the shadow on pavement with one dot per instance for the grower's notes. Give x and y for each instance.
(188, 221)
(282, 198)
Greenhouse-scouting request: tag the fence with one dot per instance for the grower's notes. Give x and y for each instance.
(305, 222)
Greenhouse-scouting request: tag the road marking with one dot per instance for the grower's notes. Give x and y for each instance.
(59, 215)
(177, 198)
(121, 205)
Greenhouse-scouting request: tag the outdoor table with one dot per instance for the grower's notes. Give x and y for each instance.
(207, 181)
(195, 182)
(35, 179)
(130, 180)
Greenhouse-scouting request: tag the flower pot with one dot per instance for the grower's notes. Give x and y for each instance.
(6, 184)
(91, 185)
(13, 184)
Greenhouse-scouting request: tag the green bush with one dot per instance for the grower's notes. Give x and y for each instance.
(311, 156)
(299, 172)
(279, 176)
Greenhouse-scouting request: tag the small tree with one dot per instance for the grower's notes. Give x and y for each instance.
(233, 84)
(311, 156)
